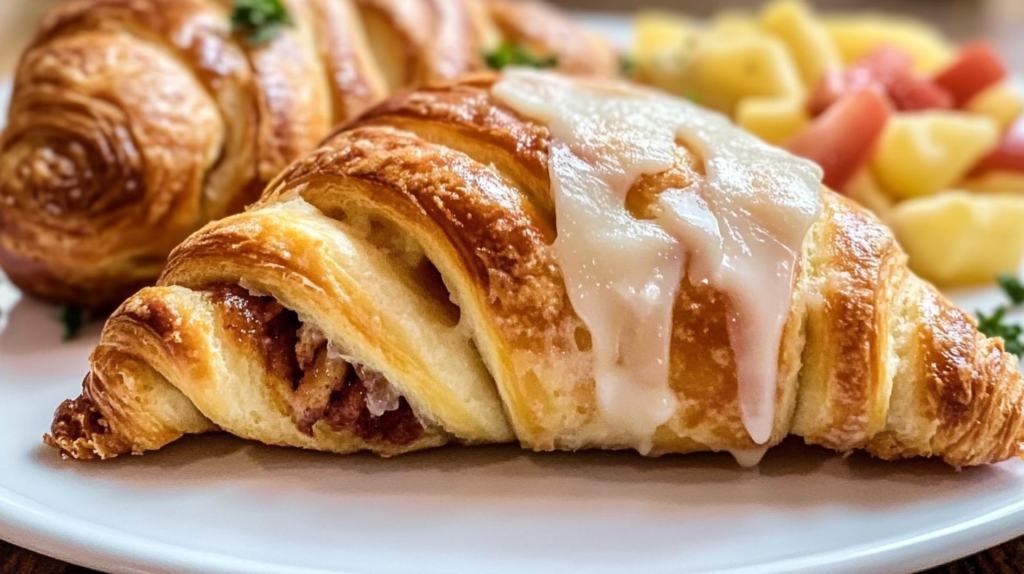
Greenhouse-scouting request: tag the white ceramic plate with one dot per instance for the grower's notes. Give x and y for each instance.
(220, 505)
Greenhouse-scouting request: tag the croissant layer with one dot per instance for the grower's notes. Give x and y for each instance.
(409, 261)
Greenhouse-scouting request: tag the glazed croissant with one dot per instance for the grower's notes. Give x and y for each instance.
(408, 285)
(135, 122)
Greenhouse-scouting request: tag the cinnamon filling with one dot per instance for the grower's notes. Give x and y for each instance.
(80, 431)
(316, 383)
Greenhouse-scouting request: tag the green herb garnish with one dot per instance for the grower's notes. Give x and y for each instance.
(627, 66)
(996, 325)
(259, 21)
(73, 318)
(692, 95)
(516, 54)
(1012, 287)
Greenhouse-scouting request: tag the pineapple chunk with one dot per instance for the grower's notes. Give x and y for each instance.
(923, 153)
(809, 43)
(730, 24)
(772, 119)
(1001, 102)
(657, 32)
(864, 190)
(663, 49)
(961, 238)
(995, 182)
(856, 35)
(726, 71)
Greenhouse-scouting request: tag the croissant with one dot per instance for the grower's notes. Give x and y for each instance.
(135, 122)
(564, 263)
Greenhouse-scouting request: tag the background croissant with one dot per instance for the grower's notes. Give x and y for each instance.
(397, 289)
(135, 122)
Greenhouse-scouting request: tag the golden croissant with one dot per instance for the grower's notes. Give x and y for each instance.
(135, 122)
(564, 263)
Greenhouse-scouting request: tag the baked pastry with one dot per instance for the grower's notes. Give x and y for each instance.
(135, 122)
(571, 264)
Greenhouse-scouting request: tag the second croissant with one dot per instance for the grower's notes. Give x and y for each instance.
(135, 122)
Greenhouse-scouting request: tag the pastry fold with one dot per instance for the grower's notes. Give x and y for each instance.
(397, 289)
(135, 122)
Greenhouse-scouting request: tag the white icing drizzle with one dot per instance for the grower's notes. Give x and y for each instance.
(749, 458)
(381, 395)
(739, 229)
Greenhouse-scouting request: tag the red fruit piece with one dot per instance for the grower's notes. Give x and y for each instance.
(976, 68)
(1008, 155)
(888, 70)
(842, 139)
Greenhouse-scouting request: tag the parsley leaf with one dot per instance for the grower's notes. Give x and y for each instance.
(1012, 287)
(627, 66)
(516, 54)
(259, 21)
(994, 326)
(74, 318)
(692, 95)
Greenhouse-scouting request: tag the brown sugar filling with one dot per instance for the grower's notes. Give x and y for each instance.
(316, 383)
(80, 431)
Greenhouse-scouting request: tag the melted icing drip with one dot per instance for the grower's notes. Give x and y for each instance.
(749, 458)
(740, 229)
(381, 395)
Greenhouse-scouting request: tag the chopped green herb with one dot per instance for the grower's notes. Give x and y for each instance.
(692, 95)
(1012, 287)
(259, 21)
(995, 325)
(627, 66)
(74, 318)
(516, 54)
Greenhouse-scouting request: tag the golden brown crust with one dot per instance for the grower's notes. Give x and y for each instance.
(968, 397)
(448, 178)
(115, 126)
(855, 270)
(135, 122)
(355, 80)
(80, 431)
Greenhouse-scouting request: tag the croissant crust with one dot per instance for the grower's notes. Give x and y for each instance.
(416, 244)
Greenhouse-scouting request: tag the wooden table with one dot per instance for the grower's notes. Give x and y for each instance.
(1000, 20)
(1005, 559)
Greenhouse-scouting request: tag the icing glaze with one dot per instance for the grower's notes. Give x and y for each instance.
(740, 229)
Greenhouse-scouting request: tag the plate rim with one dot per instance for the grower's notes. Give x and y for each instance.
(43, 529)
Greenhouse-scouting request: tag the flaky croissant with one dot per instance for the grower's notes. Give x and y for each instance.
(135, 122)
(401, 288)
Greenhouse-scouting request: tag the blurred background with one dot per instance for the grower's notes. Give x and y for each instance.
(1001, 21)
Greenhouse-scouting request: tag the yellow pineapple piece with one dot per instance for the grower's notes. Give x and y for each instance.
(1001, 102)
(961, 238)
(655, 32)
(923, 153)
(724, 72)
(865, 190)
(772, 119)
(857, 35)
(809, 43)
(731, 23)
(995, 182)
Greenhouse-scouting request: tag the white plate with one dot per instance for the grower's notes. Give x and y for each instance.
(220, 505)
